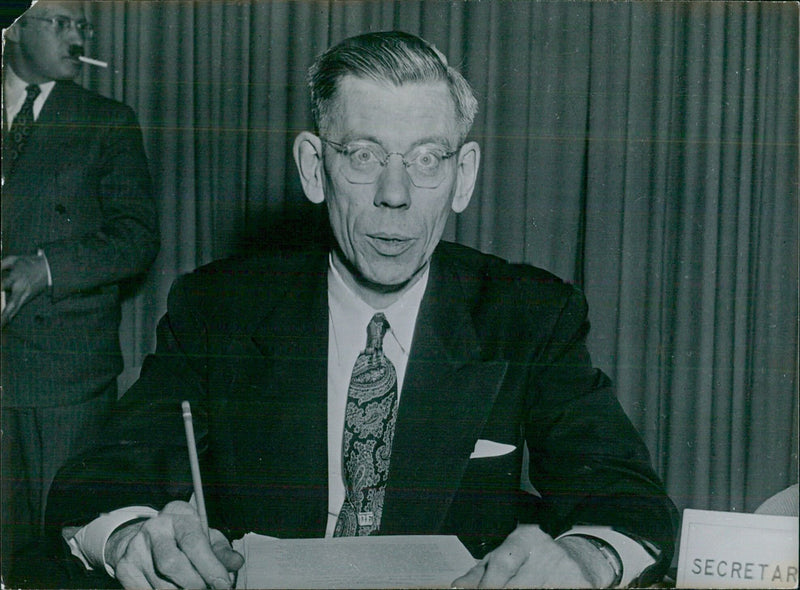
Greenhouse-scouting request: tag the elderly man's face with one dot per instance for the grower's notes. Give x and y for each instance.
(388, 230)
(44, 52)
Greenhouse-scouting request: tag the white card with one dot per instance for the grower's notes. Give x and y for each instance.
(736, 550)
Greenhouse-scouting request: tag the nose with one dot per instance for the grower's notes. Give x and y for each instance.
(393, 189)
(73, 36)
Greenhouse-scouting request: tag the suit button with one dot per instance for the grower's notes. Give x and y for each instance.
(38, 318)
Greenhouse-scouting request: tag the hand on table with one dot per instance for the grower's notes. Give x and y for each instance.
(530, 558)
(171, 550)
(23, 278)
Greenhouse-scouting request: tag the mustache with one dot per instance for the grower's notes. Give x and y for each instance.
(75, 50)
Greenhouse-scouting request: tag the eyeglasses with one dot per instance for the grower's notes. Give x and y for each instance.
(62, 24)
(364, 161)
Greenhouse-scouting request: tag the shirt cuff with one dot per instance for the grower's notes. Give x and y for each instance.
(89, 543)
(633, 557)
(40, 253)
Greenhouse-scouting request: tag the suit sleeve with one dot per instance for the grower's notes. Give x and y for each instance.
(587, 460)
(126, 240)
(144, 461)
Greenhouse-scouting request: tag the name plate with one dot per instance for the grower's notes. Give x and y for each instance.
(735, 550)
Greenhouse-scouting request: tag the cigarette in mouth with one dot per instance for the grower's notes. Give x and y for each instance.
(93, 62)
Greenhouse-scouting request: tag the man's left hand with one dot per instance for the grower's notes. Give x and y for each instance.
(530, 558)
(23, 278)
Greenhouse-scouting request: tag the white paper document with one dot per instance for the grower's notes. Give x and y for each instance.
(398, 561)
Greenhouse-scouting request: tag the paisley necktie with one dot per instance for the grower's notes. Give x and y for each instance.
(368, 432)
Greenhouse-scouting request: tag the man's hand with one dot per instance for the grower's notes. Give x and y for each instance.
(23, 278)
(530, 558)
(171, 550)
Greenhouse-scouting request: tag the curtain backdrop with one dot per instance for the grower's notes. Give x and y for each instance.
(645, 151)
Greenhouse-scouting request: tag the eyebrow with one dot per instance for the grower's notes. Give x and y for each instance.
(60, 15)
(55, 11)
(431, 139)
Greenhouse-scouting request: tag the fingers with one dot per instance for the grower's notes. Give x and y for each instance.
(7, 262)
(504, 563)
(528, 558)
(9, 311)
(550, 578)
(194, 544)
(232, 560)
(10, 297)
(171, 550)
(131, 576)
(473, 577)
(136, 570)
(23, 278)
(496, 569)
(172, 559)
(14, 298)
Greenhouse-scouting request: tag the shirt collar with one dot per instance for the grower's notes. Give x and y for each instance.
(402, 314)
(15, 91)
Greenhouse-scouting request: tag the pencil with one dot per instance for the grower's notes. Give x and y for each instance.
(195, 465)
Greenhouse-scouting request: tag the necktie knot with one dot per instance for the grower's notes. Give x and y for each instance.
(376, 330)
(32, 91)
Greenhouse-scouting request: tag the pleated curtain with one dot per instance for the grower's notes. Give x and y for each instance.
(646, 151)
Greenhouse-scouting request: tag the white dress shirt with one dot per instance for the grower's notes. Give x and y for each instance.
(14, 94)
(345, 310)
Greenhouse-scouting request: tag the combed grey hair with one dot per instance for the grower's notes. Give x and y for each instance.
(388, 56)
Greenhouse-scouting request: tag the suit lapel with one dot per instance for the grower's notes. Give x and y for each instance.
(59, 112)
(446, 398)
(286, 397)
(54, 138)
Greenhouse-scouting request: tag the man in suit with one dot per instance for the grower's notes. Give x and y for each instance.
(387, 384)
(78, 217)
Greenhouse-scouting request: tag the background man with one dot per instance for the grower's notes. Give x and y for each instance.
(78, 217)
(385, 385)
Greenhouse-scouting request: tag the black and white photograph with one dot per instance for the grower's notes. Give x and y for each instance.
(399, 294)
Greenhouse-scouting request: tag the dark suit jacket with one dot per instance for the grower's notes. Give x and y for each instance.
(498, 354)
(81, 191)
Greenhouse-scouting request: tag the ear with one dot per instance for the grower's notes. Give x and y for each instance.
(469, 158)
(307, 152)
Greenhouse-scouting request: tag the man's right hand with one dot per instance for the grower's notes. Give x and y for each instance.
(171, 550)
